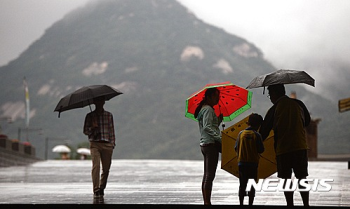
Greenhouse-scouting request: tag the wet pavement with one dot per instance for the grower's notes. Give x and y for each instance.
(153, 182)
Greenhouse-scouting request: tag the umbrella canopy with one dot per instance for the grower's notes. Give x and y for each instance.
(234, 100)
(282, 77)
(84, 96)
(267, 163)
(84, 151)
(61, 149)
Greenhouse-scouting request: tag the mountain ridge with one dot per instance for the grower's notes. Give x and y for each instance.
(157, 53)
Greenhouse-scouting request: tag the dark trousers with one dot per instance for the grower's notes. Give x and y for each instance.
(211, 157)
(245, 173)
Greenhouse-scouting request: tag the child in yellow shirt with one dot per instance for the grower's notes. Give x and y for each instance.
(248, 147)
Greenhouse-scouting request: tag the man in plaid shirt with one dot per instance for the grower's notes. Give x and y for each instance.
(99, 128)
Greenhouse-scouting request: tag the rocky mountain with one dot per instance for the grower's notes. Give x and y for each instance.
(157, 53)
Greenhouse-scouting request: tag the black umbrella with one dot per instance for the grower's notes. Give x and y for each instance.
(281, 77)
(84, 97)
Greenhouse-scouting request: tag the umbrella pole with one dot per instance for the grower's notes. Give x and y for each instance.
(90, 108)
(223, 125)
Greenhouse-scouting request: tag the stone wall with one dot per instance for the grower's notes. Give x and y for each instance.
(16, 153)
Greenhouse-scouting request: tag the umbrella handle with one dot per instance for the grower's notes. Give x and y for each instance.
(223, 125)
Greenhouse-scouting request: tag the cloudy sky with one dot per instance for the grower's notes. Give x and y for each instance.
(293, 34)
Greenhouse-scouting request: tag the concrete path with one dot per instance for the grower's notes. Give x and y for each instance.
(154, 182)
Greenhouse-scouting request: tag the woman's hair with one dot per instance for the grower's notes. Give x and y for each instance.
(208, 93)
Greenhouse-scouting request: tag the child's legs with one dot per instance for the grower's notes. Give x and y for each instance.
(246, 173)
(243, 181)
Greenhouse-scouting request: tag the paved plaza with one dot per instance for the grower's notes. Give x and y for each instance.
(152, 182)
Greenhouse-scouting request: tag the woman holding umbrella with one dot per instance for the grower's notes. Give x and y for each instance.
(213, 104)
(210, 138)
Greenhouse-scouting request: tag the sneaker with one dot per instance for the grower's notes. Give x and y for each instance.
(97, 194)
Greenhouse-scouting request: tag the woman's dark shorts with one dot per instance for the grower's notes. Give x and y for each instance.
(296, 162)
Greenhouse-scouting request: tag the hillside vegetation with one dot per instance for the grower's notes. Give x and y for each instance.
(157, 53)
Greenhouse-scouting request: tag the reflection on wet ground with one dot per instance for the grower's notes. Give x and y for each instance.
(151, 182)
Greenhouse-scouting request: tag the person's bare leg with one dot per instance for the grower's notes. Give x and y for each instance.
(304, 195)
(288, 195)
(251, 200)
(289, 198)
(241, 199)
(206, 196)
(251, 195)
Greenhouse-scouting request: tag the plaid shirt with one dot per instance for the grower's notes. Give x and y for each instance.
(105, 124)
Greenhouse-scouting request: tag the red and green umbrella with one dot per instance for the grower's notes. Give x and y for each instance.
(234, 100)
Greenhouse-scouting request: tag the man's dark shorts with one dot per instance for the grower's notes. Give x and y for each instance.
(296, 161)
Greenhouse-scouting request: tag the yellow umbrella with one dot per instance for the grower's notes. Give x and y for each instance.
(267, 162)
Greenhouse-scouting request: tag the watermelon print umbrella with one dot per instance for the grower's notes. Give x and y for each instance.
(234, 100)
